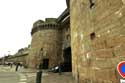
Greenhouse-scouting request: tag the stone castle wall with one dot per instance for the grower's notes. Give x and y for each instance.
(46, 44)
(97, 39)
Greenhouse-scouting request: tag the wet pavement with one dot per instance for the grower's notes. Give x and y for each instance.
(29, 76)
(52, 78)
(9, 77)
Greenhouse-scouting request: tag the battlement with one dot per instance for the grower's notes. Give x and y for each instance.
(50, 20)
(49, 23)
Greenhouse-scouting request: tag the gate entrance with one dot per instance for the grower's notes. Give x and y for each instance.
(67, 59)
(45, 63)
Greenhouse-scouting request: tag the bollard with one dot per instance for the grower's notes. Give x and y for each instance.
(39, 74)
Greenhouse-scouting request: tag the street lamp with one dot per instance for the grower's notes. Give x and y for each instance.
(3, 60)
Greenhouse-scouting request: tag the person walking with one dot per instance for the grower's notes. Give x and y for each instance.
(11, 65)
(17, 65)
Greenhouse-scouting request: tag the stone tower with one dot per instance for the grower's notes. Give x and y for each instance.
(46, 44)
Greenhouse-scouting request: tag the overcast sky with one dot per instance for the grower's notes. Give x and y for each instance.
(17, 18)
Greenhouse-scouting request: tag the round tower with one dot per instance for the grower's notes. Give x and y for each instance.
(45, 44)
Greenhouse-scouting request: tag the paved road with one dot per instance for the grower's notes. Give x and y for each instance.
(9, 77)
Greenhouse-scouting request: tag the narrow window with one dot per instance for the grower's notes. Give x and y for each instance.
(68, 37)
(41, 49)
(92, 35)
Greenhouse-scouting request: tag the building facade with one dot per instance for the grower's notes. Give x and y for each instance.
(19, 57)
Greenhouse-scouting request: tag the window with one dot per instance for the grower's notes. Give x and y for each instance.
(92, 36)
(68, 37)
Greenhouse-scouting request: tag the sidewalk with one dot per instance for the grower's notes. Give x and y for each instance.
(6, 69)
(65, 77)
(47, 77)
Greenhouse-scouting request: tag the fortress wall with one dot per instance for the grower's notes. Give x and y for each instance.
(97, 39)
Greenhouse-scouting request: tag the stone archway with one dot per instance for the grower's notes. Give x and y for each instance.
(45, 63)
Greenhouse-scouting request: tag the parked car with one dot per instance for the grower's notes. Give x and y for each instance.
(64, 67)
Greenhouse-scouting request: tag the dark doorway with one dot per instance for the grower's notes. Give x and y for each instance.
(45, 63)
(67, 59)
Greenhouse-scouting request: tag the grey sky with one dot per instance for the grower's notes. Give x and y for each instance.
(17, 18)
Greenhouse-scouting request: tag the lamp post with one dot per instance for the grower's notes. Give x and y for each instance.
(3, 60)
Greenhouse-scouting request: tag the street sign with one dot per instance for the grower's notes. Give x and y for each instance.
(122, 81)
(121, 69)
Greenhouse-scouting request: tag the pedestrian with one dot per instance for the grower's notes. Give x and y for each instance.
(11, 65)
(17, 65)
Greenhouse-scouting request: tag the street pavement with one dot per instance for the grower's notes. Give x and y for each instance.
(8, 75)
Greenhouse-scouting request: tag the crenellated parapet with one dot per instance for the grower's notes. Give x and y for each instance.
(49, 23)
